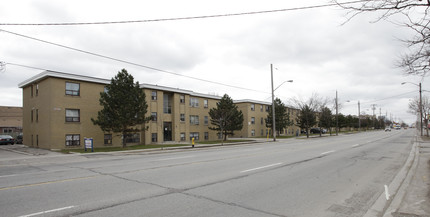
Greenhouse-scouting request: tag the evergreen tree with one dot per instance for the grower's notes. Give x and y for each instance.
(226, 118)
(124, 106)
(282, 117)
(306, 118)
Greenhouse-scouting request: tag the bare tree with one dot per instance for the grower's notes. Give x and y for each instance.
(414, 108)
(417, 60)
(308, 110)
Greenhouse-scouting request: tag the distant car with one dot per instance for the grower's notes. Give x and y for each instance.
(6, 140)
(387, 129)
(18, 139)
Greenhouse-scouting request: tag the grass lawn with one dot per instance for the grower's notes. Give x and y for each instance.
(139, 147)
(110, 149)
(219, 141)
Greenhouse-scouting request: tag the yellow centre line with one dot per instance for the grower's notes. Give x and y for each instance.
(45, 183)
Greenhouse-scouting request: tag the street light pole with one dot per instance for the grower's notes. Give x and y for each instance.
(359, 120)
(421, 105)
(337, 122)
(421, 111)
(273, 106)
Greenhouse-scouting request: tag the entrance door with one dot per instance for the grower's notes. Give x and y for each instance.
(167, 126)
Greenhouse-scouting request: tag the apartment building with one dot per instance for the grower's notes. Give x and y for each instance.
(10, 120)
(255, 115)
(58, 107)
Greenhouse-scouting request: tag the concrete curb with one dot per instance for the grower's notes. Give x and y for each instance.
(396, 189)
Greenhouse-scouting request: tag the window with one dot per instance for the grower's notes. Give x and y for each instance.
(72, 89)
(154, 137)
(167, 104)
(72, 115)
(153, 116)
(194, 102)
(105, 89)
(252, 120)
(252, 132)
(132, 138)
(31, 89)
(182, 136)
(206, 120)
(267, 108)
(182, 98)
(205, 103)
(252, 107)
(154, 95)
(194, 135)
(182, 118)
(108, 139)
(206, 136)
(31, 116)
(194, 119)
(37, 140)
(37, 89)
(262, 122)
(262, 132)
(261, 108)
(73, 140)
(37, 115)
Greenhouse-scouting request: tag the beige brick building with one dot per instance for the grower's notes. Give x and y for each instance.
(255, 115)
(58, 107)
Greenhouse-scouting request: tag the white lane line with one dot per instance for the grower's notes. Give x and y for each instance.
(8, 175)
(328, 152)
(387, 194)
(174, 158)
(48, 211)
(356, 145)
(258, 168)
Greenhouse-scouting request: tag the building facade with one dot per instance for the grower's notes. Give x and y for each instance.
(58, 107)
(10, 120)
(255, 114)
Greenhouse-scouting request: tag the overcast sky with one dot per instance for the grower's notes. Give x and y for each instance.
(310, 46)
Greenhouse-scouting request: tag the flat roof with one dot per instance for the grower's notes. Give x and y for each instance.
(55, 74)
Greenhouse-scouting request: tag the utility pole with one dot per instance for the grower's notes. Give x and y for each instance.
(273, 106)
(421, 111)
(373, 109)
(337, 112)
(359, 117)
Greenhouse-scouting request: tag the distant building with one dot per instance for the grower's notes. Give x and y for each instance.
(10, 120)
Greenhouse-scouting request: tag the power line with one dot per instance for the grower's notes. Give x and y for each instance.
(183, 18)
(128, 62)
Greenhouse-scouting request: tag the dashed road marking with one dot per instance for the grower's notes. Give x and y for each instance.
(258, 168)
(48, 211)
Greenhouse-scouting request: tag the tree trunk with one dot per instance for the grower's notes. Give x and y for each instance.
(124, 135)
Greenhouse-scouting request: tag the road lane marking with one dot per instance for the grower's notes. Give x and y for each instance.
(47, 211)
(387, 194)
(356, 145)
(45, 183)
(328, 152)
(8, 175)
(258, 168)
(175, 158)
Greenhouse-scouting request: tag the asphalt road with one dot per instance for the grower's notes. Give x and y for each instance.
(329, 176)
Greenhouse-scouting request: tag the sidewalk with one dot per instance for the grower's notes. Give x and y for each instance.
(415, 198)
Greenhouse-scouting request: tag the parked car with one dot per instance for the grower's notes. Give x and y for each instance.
(317, 130)
(6, 140)
(18, 139)
(387, 129)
